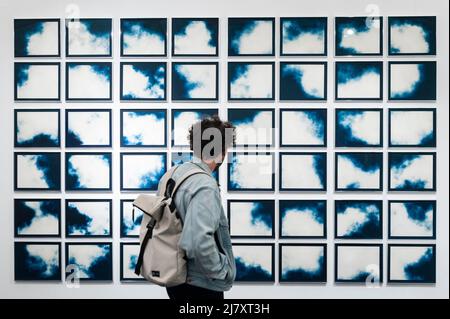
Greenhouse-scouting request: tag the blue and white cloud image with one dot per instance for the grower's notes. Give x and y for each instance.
(358, 128)
(253, 127)
(303, 127)
(182, 120)
(37, 261)
(412, 128)
(142, 171)
(358, 263)
(303, 171)
(88, 128)
(302, 81)
(89, 80)
(195, 36)
(143, 80)
(37, 217)
(143, 128)
(253, 262)
(88, 171)
(88, 218)
(130, 255)
(191, 81)
(412, 219)
(38, 171)
(129, 224)
(37, 128)
(143, 36)
(251, 218)
(250, 36)
(412, 263)
(250, 171)
(359, 171)
(412, 80)
(358, 35)
(412, 35)
(250, 81)
(303, 36)
(37, 81)
(359, 80)
(358, 219)
(410, 171)
(91, 37)
(93, 260)
(303, 263)
(36, 37)
(303, 218)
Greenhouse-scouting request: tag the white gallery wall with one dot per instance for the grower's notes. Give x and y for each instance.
(10, 10)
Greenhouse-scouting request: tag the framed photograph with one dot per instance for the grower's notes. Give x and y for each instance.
(251, 81)
(251, 36)
(88, 81)
(251, 171)
(142, 171)
(37, 38)
(143, 128)
(358, 263)
(412, 80)
(303, 127)
(130, 222)
(88, 218)
(251, 218)
(37, 171)
(359, 128)
(37, 128)
(90, 261)
(37, 261)
(195, 81)
(362, 171)
(303, 81)
(412, 219)
(89, 37)
(183, 119)
(143, 37)
(303, 36)
(412, 35)
(129, 254)
(254, 262)
(412, 263)
(303, 263)
(412, 127)
(88, 171)
(143, 81)
(88, 128)
(356, 36)
(254, 127)
(182, 157)
(362, 80)
(412, 171)
(37, 81)
(358, 219)
(303, 219)
(37, 217)
(195, 37)
(303, 171)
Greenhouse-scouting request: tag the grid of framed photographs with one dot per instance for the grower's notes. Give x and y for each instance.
(79, 161)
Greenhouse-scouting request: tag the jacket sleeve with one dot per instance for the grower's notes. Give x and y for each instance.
(197, 238)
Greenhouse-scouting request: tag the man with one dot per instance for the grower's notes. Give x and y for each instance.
(205, 237)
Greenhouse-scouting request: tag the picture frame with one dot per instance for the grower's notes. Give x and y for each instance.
(37, 128)
(89, 218)
(129, 253)
(189, 32)
(299, 81)
(44, 254)
(94, 81)
(143, 128)
(89, 128)
(129, 226)
(37, 38)
(88, 171)
(295, 33)
(133, 87)
(244, 36)
(37, 171)
(143, 37)
(133, 177)
(240, 76)
(29, 84)
(89, 37)
(183, 119)
(195, 81)
(37, 217)
(254, 262)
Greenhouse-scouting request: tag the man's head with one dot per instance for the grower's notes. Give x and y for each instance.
(210, 138)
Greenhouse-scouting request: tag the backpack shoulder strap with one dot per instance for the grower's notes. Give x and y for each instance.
(165, 179)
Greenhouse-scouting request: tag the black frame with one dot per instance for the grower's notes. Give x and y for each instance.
(16, 188)
(122, 278)
(68, 98)
(68, 154)
(122, 98)
(122, 154)
(122, 111)
(39, 56)
(89, 200)
(164, 20)
(294, 110)
(109, 111)
(122, 211)
(390, 236)
(33, 111)
(272, 246)
(17, 99)
(172, 121)
(80, 20)
(215, 99)
(230, 201)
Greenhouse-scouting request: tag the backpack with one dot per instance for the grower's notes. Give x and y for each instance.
(160, 260)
